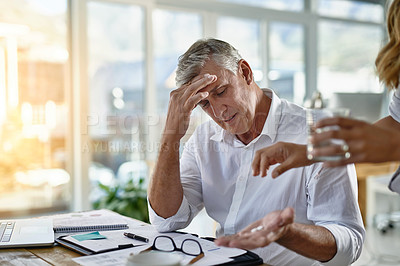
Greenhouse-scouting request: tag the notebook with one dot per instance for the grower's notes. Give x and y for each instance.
(26, 233)
(97, 220)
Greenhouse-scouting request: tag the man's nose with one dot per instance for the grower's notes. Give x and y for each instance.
(218, 110)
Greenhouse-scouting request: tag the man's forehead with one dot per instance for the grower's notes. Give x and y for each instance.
(222, 78)
(212, 68)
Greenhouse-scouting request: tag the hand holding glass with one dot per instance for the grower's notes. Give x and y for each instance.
(313, 116)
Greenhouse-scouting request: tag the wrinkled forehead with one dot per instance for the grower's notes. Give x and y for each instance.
(223, 75)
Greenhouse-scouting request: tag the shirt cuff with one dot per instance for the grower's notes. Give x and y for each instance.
(179, 220)
(348, 245)
(394, 184)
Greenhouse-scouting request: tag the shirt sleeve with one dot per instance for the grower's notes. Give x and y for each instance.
(394, 106)
(175, 222)
(394, 184)
(192, 201)
(332, 203)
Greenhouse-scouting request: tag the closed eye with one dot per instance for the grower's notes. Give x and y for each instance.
(221, 92)
(204, 104)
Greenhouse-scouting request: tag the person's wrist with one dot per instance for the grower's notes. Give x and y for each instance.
(171, 135)
(170, 141)
(170, 138)
(285, 234)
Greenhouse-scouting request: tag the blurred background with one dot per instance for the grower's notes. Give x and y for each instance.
(84, 85)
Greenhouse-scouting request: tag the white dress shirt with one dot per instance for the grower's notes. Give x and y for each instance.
(216, 174)
(394, 111)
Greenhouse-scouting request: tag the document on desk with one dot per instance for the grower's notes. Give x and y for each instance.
(213, 254)
(113, 240)
(120, 257)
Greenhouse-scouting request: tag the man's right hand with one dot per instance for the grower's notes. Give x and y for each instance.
(182, 101)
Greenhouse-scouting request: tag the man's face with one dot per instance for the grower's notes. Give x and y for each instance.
(231, 102)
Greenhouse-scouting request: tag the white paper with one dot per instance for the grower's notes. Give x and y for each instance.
(210, 248)
(150, 232)
(120, 257)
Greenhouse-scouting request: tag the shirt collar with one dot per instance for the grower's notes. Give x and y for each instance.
(271, 124)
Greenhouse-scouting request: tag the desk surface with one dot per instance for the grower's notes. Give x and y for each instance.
(56, 255)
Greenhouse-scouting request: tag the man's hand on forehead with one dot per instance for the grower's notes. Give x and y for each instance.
(191, 94)
(197, 78)
(200, 82)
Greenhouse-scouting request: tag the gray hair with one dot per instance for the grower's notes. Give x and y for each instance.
(192, 61)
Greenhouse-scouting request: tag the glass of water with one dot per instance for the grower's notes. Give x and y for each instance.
(312, 117)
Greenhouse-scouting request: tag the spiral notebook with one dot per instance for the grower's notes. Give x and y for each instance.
(96, 220)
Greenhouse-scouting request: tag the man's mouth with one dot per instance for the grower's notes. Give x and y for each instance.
(230, 119)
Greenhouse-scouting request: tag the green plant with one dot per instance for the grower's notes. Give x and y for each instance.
(129, 199)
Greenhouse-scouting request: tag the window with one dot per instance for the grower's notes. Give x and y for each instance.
(358, 10)
(116, 99)
(173, 34)
(346, 57)
(244, 35)
(33, 107)
(291, 5)
(286, 73)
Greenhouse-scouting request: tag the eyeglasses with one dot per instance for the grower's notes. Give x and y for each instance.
(189, 246)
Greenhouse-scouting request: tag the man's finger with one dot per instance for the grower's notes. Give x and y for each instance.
(248, 242)
(222, 241)
(283, 167)
(264, 165)
(250, 227)
(256, 164)
(198, 85)
(192, 102)
(280, 169)
(287, 216)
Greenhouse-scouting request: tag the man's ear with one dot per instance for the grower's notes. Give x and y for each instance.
(245, 71)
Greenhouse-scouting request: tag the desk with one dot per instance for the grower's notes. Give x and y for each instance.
(367, 169)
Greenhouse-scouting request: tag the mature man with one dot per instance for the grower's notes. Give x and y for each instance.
(214, 170)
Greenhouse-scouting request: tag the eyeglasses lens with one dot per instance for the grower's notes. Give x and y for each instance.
(164, 244)
(191, 247)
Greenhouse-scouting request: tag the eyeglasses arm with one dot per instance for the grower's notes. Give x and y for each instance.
(198, 257)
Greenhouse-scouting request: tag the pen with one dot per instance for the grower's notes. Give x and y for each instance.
(136, 237)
